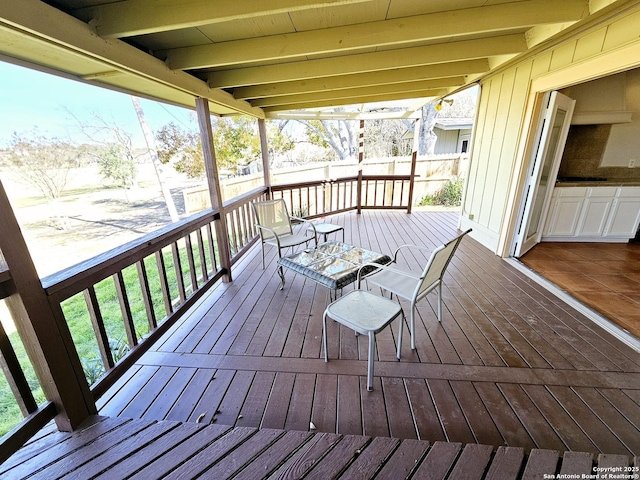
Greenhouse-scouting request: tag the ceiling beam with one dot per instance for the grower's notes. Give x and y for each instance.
(486, 19)
(139, 17)
(431, 94)
(64, 33)
(383, 114)
(357, 95)
(339, 85)
(370, 62)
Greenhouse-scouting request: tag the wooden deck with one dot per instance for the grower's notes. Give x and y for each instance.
(115, 448)
(510, 365)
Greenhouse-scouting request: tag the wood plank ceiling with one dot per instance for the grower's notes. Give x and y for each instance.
(263, 58)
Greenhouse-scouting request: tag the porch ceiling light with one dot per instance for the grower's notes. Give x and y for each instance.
(438, 106)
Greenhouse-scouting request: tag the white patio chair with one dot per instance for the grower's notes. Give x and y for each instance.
(274, 225)
(367, 314)
(414, 286)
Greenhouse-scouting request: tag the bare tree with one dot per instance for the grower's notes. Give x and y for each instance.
(45, 164)
(383, 137)
(112, 148)
(151, 146)
(427, 137)
(340, 135)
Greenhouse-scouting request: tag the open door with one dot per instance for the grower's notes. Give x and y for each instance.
(552, 131)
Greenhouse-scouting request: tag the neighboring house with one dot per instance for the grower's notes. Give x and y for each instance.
(454, 135)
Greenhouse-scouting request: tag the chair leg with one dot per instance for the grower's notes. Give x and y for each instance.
(400, 328)
(372, 346)
(324, 336)
(440, 302)
(262, 244)
(412, 326)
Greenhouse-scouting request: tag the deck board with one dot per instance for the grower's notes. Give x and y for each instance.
(485, 374)
(511, 365)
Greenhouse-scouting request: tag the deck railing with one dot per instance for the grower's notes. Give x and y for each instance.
(146, 284)
(241, 223)
(143, 287)
(326, 197)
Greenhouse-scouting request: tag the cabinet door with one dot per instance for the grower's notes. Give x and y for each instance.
(624, 218)
(595, 216)
(565, 216)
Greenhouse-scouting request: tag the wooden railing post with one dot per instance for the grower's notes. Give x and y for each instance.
(43, 329)
(414, 158)
(360, 160)
(264, 148)
(213, 180)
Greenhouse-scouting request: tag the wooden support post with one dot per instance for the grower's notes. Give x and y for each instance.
(43, 329)
(264, 147)
(360, 161)
(414, 158)
(213, 180)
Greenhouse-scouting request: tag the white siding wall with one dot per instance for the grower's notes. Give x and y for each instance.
(504, 123)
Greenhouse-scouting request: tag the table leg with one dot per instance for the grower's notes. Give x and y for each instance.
(281, 274)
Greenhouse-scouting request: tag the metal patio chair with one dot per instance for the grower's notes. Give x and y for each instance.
(274, 225)
(411, 285)
(366, 314)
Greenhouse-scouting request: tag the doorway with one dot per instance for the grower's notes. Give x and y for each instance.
(551, 135)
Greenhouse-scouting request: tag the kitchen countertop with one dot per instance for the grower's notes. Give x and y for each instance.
(608, 183)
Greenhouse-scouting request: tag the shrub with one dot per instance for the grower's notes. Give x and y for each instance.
(450, 195)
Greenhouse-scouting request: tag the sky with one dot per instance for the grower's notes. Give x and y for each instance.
(34, 100)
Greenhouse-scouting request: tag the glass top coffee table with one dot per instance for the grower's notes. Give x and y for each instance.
(331, 264)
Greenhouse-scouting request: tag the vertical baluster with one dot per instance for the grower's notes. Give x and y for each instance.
(239, 229)
(241, 226)
(232, 232)
(97, 323)
(164, 284)
(251, 225)
(366, 192)
(203, 258)
(212, 249)
(393, 190)
(146, 294)
(125, 309)
(354, 193)
(15, 376)
(319, 206)
(192, 263)
(402, 192)
(248, 224)
(177, 266)
(331, 196)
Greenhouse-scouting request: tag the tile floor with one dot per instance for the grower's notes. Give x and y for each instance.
(604, 276)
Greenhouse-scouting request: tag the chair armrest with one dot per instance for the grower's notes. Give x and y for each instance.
(410, 246)
(303, 220)
(273, 232)
(383, 267)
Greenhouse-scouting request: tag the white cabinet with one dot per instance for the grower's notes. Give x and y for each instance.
(593, 214)
(566, 206)
(595, 211)
(625, 215)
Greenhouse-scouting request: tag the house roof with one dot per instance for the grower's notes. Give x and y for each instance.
(454, 123)
(265, 58)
